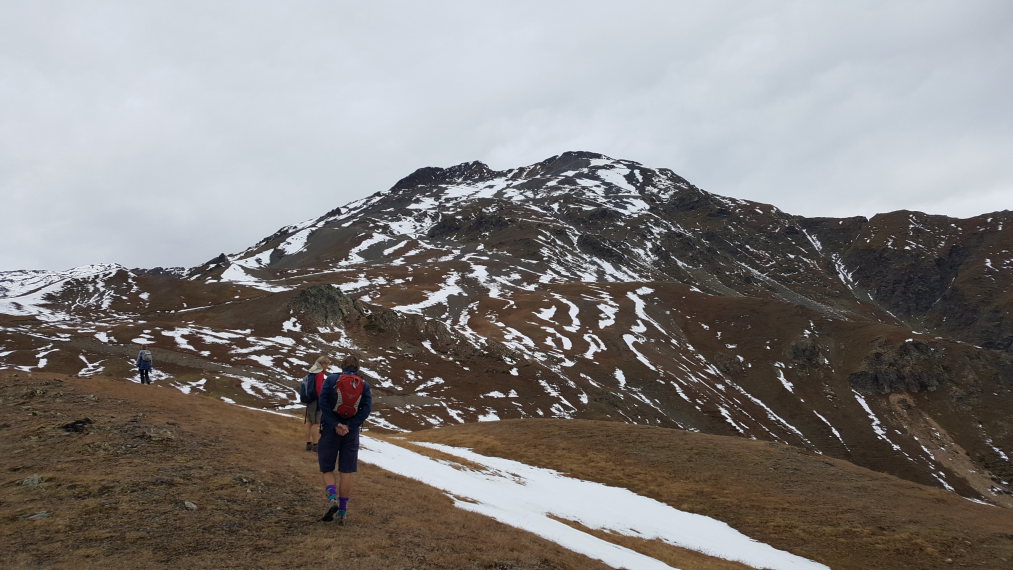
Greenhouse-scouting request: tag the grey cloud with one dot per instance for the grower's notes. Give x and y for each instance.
(164, 133)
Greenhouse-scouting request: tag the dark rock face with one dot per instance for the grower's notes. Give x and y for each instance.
(471, 226)
(566, 162)
(433, 176)
(806, 350)
(690, 200)
(328, 306)
(599, 219)
(907, 283)
(600, 247)
(325, 305)
(998, 327)
(934, 272)
(911, 367)
(209, 266)
(446, 227)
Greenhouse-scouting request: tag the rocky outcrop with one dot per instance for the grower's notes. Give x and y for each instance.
(469, 226)
(913, 366)
(432, 176)
(325, 305)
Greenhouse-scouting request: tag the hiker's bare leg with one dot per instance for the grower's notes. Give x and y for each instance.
(312, 433)
(330, 478)
(345, 484)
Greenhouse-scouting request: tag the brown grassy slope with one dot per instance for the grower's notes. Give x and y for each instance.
(822, 508)
(116, 493)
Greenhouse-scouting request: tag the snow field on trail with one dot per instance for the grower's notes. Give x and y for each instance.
(527, 497)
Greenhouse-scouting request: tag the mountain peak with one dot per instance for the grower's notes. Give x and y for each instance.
(568, 162)
(432, 175)
(475, 171)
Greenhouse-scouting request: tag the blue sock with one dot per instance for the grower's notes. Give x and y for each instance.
(342, 504)
(332, 492)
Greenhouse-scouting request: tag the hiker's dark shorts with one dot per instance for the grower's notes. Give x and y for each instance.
(313, 413)
(342, 449)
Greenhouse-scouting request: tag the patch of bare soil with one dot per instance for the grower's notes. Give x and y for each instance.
(105, 473)
(825, 509)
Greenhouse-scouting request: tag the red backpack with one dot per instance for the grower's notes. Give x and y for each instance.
(309, 388)
(349, 392)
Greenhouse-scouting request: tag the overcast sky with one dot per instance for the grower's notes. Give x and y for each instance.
(164, 133)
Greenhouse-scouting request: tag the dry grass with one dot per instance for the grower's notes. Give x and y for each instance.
(116, 493)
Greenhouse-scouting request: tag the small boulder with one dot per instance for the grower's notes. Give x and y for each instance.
(33, 481)
(78, 426)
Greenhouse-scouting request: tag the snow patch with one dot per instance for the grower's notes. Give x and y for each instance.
(526, 497)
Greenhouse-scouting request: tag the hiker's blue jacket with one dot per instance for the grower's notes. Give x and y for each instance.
(329, 397)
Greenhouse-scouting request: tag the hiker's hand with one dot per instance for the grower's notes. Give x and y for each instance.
(341, 429)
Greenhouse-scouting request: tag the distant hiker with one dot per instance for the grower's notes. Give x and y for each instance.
(144, 364)
(316, 376)
(345, 402)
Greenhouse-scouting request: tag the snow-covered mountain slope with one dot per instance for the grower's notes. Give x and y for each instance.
(587, 287)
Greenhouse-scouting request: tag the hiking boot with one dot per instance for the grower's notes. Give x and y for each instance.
(309, 446)
(316, 447)
(331, 509)
(341, 517)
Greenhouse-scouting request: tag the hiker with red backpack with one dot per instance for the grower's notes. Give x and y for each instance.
(345, 402)
(315, 381)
